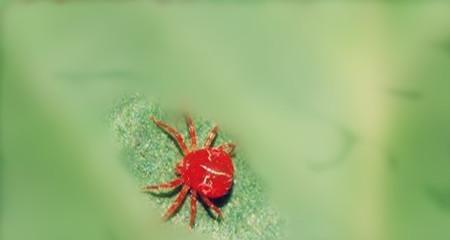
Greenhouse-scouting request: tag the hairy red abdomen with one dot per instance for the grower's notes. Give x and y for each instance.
(209, 171)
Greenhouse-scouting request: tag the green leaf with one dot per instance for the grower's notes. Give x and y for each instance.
(151, 156)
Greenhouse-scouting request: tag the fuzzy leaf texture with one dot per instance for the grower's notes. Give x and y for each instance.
(151, 156)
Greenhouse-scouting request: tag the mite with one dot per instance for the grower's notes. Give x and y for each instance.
(206, 172)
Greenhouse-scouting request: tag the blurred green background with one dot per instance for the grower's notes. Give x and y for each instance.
(342, 109)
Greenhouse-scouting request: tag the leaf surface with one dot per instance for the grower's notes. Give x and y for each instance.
(151, 156)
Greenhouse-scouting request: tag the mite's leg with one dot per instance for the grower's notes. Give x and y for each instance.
(193, 208)
(211, 205)
(177, 203)
(192, 132)
(227, 147)
(172, 184)
(173, 133)
(211, 135)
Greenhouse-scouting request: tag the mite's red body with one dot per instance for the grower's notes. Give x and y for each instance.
(209, 171)
(205, 172)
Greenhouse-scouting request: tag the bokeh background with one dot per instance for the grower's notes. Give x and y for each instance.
(342, 108)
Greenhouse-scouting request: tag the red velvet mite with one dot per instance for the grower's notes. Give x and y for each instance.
(205, 172)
